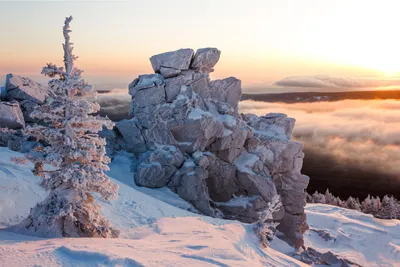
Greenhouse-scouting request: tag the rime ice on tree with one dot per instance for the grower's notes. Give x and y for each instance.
(77, 154)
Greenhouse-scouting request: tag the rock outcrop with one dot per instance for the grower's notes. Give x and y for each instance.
(19, 97)
(26, 91)
(188, 134)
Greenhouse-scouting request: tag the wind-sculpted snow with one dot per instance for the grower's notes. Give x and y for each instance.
(188, 135)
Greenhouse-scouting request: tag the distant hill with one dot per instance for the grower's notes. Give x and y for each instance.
(322, 96)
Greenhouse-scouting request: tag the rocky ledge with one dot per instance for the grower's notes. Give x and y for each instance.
(188, 134)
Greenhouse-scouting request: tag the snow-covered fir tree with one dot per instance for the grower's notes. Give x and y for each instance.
(353, 203)
(328, 196)
(318, 198)
(376, 205)
(76, 154)
(366, 205)
(388, 208)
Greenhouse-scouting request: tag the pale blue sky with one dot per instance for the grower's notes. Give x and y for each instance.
(261, 40)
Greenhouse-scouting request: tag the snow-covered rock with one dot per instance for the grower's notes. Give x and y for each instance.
(177, 61)
(11, 115)
(205, 59)
(21, 88)
(226, 155)
(131, 134)
(157, 167)
(228, 90)
(26, 91)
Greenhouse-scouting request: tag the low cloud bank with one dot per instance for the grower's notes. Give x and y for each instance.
(115, 104)
(352, 142)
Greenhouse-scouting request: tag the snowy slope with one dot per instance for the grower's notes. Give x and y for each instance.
(155, 233)
(358, 237)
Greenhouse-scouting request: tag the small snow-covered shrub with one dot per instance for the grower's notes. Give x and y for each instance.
(265, 227)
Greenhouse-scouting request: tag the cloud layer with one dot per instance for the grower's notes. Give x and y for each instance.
(352, 134)
(115, 104)
(352, 147)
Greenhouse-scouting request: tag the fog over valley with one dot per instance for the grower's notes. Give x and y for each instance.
(351, 147)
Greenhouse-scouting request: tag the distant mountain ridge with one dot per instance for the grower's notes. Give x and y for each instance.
(301, 97)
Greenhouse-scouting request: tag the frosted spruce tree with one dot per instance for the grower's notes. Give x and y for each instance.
(76, 154)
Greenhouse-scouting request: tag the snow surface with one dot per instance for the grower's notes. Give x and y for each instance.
(155, 232)
(356, 236)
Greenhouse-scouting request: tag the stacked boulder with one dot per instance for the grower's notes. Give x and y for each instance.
(19, 96)
(188, 135)
(25, 91)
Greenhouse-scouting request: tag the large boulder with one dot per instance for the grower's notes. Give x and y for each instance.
(189, 136)
(11, 115)
(205, 59)
(21, 88)
(228, 90)
(132, 135)
(171, 63)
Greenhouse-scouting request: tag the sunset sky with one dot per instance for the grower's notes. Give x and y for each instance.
(262, 41)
